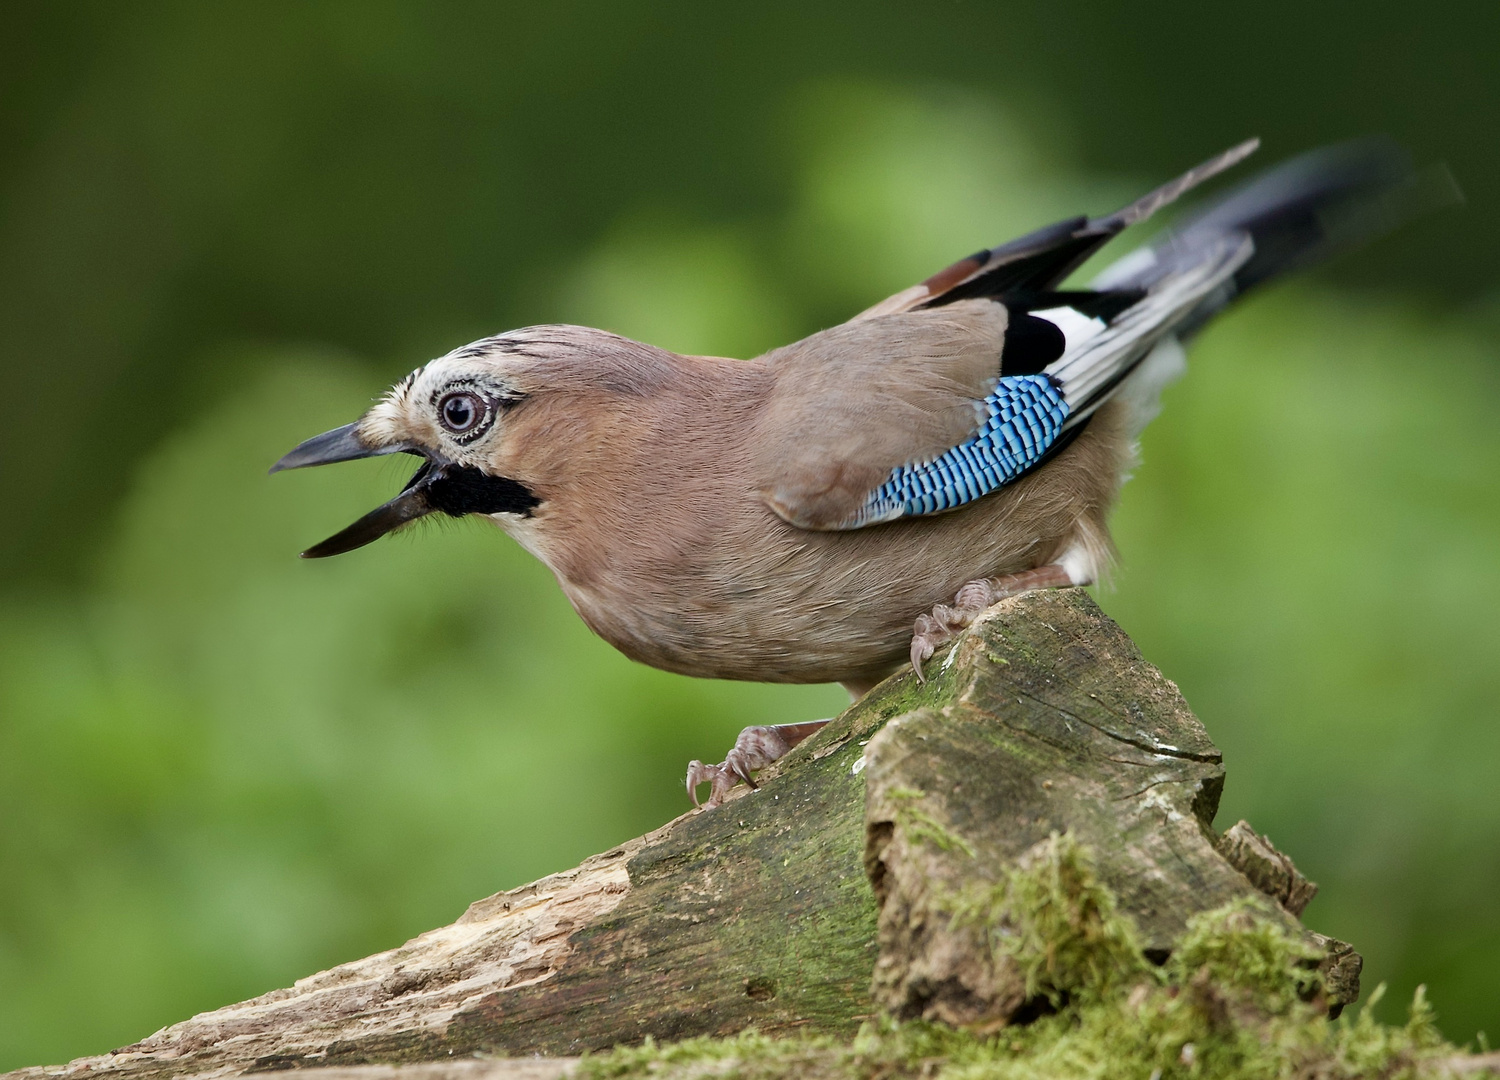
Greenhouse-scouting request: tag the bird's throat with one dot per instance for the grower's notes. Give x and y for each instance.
(457, 490)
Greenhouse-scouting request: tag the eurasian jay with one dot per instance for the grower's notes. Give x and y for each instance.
(784, 519)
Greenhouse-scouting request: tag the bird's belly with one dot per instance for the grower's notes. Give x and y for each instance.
(804, 607)
(773, 636)
(751, 597)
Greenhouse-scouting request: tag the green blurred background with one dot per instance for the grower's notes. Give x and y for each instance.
(225, 227)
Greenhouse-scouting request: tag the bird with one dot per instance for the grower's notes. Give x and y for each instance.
(841, 507)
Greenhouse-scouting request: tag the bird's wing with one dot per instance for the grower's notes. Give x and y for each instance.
(901, 412)
(854, 402)
(906, 414)
(923, 404)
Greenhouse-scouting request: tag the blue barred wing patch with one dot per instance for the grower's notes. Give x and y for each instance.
(1023, 418)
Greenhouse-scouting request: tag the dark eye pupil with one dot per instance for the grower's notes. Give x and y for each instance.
(459, 413)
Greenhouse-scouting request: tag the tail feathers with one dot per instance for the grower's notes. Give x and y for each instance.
(1300, 213)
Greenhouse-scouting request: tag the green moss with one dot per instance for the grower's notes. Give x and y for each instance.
(1234, 947)
(920, 827)
(1237, 999)
(1059, 924)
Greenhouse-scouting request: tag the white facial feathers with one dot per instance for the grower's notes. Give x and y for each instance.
(444, 405)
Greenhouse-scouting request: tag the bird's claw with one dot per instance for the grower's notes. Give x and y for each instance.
(722, 777)
(755, 748)
(926, 636)
(931, 631)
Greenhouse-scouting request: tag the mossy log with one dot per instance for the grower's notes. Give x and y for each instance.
(1041, 720)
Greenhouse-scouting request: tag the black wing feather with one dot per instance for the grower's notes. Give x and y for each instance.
(1039, 261)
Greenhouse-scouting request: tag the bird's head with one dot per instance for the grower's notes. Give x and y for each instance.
(466, 415)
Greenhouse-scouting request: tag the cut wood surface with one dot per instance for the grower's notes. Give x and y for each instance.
(1042, 720)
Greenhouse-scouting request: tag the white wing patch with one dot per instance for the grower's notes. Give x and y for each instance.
(1075, 325)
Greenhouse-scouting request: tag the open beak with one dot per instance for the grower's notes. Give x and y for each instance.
(408, 506)
(343, 444)
(438, 484)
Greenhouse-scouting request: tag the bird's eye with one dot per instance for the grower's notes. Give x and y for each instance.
(461, 413)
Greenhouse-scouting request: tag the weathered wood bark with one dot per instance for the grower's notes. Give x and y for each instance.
(1048, 720)
(1042, 719)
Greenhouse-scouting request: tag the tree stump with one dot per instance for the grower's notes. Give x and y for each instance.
(822, 897)
(1047, 720)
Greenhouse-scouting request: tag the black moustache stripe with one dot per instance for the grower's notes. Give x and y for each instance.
(462, 489)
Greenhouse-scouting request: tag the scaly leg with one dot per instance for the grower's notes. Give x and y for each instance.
(756, 748)
(945, 621)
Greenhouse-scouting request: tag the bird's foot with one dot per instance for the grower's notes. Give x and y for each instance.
(945, 621)
(756, 748)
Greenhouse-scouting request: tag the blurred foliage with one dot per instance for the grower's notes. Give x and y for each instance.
(222, 768)
(1311, 550)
